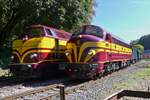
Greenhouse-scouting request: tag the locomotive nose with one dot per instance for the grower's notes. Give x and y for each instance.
(79, 48)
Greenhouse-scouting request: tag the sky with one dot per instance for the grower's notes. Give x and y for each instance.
(127, 19)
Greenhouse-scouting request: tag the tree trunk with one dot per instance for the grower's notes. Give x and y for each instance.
(5, 35)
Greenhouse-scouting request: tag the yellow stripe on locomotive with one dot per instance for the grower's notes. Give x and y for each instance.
(101, 47)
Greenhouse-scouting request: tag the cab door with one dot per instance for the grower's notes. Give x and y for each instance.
(52, 33)
(57, 49)
(109, 47)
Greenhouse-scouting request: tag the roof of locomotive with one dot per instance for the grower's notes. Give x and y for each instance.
(39, 25)
(112, 35)
(120, 40)
(63, 35)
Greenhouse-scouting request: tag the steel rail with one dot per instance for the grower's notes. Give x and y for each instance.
(30, 92)
(64, 90)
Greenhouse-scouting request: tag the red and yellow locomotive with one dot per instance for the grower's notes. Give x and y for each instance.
(39, 51)
(92, 52)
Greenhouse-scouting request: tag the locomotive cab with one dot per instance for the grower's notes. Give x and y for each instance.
(82, 52)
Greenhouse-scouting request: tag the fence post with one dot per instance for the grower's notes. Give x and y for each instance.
(62, 92)
(148, 89)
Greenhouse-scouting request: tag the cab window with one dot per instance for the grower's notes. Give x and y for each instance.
(108, 38)
(35, 32)
(91, 30)
(49, 32)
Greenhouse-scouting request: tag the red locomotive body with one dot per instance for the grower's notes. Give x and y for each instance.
(93, 52)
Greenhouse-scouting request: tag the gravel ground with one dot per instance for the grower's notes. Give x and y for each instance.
(15, 89)
(7, 91)
(123, 79)
(98, 90)
(39, 96)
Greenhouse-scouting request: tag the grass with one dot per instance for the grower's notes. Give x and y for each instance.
(141, 75)
(3, 73)
(148, 59)
(123, 85)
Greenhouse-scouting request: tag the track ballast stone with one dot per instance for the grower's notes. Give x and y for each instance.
(108, 85)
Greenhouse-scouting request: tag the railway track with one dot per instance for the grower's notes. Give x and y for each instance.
(30, 85)
(50, 91)
(37, 92)
(56, 91)
(8, 81)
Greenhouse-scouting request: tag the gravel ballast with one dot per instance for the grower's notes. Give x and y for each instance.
(20, 88)
(123, 79)
(132, 78)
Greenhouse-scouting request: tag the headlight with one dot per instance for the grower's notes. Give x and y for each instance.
(29, 66)
(91, 52)
(33, 55)
(12, 57)
(67, 53)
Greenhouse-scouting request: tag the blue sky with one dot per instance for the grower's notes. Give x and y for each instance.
(128, 19)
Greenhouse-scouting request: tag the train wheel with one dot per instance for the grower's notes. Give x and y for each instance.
(117, 66)
(104, 72)
(114, 67)
(96, 76)
(128, 63)
(100, 75)
(109, 68)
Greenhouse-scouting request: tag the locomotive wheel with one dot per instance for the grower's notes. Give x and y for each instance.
(96, 76)
(109, 68)
(100, 75)
(128, 63)
(104, 72)
(117, 67)
(114, 67)
(121, 65)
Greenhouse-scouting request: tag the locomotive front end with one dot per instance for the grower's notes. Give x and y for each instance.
(83, 51)
(38, 53)
(26, 53)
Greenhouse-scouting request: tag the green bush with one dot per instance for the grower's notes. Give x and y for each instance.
(5, 57)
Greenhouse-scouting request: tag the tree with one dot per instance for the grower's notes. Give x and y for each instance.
(144, 40)
(139, 47)
(15, 15)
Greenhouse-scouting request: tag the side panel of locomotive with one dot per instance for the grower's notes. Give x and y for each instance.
(93, 51)
(39, 51)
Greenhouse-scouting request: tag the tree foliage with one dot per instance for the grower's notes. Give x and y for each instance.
(139, 47)
(144, 41)
(15, 15)
(62, 14)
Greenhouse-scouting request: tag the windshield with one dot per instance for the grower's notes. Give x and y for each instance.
(35, 32)
(91, 30)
